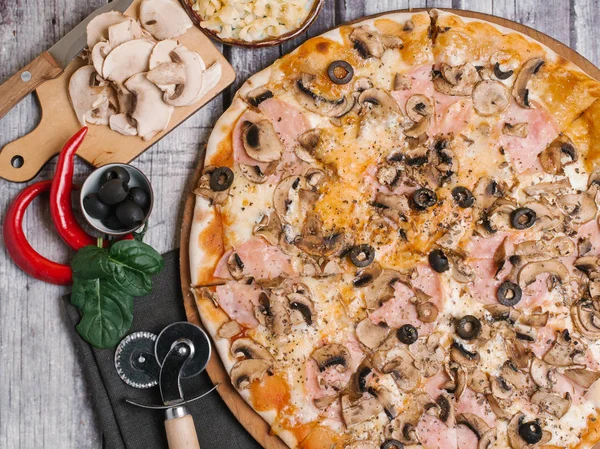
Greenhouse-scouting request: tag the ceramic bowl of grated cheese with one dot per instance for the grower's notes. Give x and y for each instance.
(253, 23)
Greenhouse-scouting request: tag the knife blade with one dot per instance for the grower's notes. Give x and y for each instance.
(51, 63)
(65, 50)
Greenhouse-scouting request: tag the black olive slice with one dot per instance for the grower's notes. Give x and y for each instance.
(509, 293)
(424, 198)
(362, 255)
(500, 74)
(438, 261)
(468, 327)
(407, 334)
(340, 72)
(221, 179)
(463, 197)
(522, 218)
(531, 432)
(391, 444)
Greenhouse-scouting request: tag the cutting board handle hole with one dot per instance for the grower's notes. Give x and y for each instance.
(17, 161)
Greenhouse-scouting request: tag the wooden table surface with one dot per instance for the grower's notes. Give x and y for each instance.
(44, 401)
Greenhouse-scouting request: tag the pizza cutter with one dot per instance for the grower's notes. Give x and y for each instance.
(180, 351)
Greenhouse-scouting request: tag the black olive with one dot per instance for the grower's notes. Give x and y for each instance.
(342, 68)
(130, 214)
(463, 197)
(522, 218)
(221, 179)
(113, 192)
(438, 261)
(424, 198)
(112, 222)
(531, 432)
(362, 255)
(468, 327)
(391, 444)
(500, 74)
(139, 196)
(509, 293)
(115, 173)
(407, 334)
(94, 207)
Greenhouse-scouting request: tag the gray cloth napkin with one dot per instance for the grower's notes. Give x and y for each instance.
(128, 427)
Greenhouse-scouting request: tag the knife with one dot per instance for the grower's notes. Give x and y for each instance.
(53, 62)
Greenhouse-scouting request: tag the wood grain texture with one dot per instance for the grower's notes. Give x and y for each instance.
(44, 399)
(26, 80)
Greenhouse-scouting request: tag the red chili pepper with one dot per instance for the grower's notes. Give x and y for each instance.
(19, 249)
(61, 208)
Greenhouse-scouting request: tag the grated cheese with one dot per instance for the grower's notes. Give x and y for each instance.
(251, 20)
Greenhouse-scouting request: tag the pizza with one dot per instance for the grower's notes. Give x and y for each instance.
(395, 240)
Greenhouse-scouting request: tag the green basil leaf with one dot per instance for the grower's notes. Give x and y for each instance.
(136, 256)
(91, 262)
(107, 312)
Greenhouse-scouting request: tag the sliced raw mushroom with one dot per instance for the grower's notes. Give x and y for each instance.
(245, 372)
(257, 95)
(246, 348)
(406, 375)
(98, 55)
(187, 93)
(91, 104)
(164, 19)
(321, 245)
(517, 353)
(167, 75)
(536, 319)
(125, 31)
(419, 128)
(151, 114)
(127, 60)
(123, 124)
(530, 271)
(255, 174)
(360, 411)
(490, 98)
(310, 139)
(418, 106)
(269, 228)
(580, 207)
(500, 312)
(318, 104)
(552, 403)
(229, 329)
(462, 356)
(261, 141)
(479, 382)
(370, 334)
(558, 154)
(378, 103)
(586, 319)
(459, 378)
(214, 184)
(377, 285)
(511, 374)
(582, 377)
(385, 397)
(332, 355)
(273, 311)
(516, 129)
(162, 52)
(459, 80)
(520, 89)
(498, 408)
(501, 389)
(97, 29)
(565, 351)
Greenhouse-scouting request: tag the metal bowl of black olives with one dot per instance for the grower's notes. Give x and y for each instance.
(116, 199)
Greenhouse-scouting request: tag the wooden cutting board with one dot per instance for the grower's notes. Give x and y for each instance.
(102, 145)
(251, 420)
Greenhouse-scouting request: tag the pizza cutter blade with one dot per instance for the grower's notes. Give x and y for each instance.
(181, 350)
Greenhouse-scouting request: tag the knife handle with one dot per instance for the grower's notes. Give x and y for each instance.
(181, 431)
(26, 80)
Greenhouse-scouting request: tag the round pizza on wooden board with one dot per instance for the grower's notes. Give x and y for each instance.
(395, 240)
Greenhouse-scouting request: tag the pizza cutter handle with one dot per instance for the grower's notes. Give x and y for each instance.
(181, 432)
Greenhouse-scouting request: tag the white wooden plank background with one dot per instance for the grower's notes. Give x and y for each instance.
(44, 402)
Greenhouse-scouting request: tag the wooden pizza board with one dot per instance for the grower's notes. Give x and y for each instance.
(251, 420)
(102, 145)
